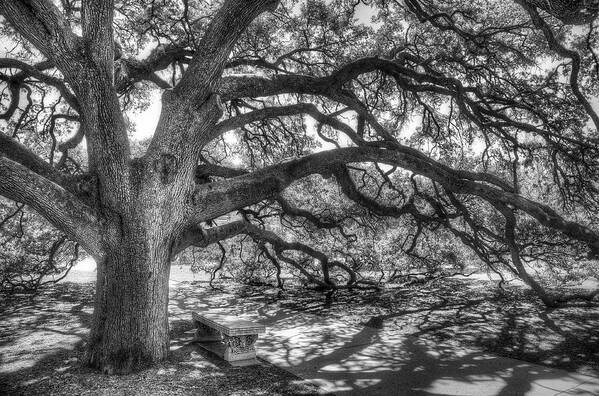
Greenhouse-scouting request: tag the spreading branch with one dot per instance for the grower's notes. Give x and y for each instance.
(246, 190)
(290, 110)
(43, 25)
(36, 71)
(17, 152)
(210, 58)
(65, 211)
(561, 50)
(200, 237)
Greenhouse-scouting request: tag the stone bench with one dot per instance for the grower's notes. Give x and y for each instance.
(227, 336)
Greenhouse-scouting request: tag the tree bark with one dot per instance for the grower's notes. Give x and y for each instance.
(130, 323)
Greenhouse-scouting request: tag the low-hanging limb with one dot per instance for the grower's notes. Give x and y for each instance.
(551, 300)
(264, 249)
(241, 86)
(249, 189)
(18, 152)
(199, 237)
(64, 210)
(43, 272)
(480, 241)
(510, 240)
(221, 263)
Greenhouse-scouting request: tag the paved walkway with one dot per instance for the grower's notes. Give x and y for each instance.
(357, 360)
(352, 360)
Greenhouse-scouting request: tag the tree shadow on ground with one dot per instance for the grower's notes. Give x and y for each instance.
(472, 313)
(414, 350)
(417, 348)
(42, 342)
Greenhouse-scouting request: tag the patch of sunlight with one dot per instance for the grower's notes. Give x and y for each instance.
(166, 371)
(488, 376)
(88, 264)
(369, 366)
(334, 385)
(200, 364)
(17, 365)
(35, 380)
(88, 310)
(484, 357)
(366, 382)
(183, 273)
(566, 382)
(590, 284)
(457, 387)
(146, 120)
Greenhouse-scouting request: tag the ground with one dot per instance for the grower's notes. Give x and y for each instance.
(474, 313)
(42, 336)
(41, 350)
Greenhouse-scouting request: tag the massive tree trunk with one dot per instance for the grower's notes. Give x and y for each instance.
(130, 323)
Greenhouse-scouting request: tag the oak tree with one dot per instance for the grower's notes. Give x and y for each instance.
(468, 119)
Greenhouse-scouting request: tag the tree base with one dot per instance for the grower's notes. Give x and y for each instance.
(124, 361)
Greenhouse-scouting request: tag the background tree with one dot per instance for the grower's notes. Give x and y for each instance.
(455, 120)
(32, 255)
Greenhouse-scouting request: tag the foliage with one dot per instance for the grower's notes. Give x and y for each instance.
(32, 254)
(497, 89)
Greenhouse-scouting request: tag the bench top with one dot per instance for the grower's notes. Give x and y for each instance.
(228, 324)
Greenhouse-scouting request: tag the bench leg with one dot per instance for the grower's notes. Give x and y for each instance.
(239, 350)
(206, 333)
